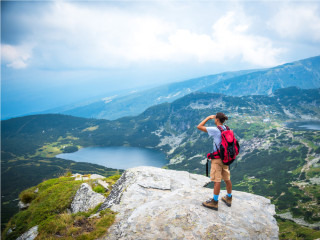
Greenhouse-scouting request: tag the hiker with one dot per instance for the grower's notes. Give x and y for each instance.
(218, 169)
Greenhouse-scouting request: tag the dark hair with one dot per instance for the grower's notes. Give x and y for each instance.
(221, 116)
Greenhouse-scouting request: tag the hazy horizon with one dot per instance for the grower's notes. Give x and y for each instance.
(56, 53)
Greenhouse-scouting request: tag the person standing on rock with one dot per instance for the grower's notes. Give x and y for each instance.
(218, 169)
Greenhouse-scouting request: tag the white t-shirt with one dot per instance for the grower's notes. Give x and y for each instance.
(215, 133)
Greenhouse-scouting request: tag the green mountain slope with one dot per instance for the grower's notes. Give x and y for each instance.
(276, 161)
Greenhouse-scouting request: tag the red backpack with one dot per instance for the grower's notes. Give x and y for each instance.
(229, 147)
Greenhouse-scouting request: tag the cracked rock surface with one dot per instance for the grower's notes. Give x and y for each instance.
(155, 203)
(86, 199)
(31, 234)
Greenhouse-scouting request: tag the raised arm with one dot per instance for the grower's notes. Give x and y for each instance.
(201, 125)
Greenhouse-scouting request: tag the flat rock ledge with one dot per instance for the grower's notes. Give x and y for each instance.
(155, 203)
(86, 199)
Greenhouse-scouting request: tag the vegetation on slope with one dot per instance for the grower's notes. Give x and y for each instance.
(293, 231)
(49, 204)
(276, 161)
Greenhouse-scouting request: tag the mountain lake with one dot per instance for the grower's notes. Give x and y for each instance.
(117, 157)
(304, 125)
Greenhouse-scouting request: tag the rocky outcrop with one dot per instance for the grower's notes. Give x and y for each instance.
(300, 221)
(10, 230)
(98, 179)
(103, 184)
(31, 234)
(86, 199)
(80, 177)
(154, 203)
(23, 206)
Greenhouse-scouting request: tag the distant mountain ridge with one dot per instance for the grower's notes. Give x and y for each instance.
(304, 74)
(135, 103)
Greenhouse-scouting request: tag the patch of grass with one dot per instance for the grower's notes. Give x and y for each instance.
(48, 209)
(313, 172)
(67, 137)
(53, 197)
(27, 196)
(69, 149)
(291, 230)
(297, 171)
(31, 175)
(76, 226)
(61, 145)
(91, 128)
(313, 190)
(99, 189)
(112, 179)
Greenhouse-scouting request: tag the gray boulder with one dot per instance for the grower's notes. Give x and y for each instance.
(86, 199)
(9, 231)
(154, 203)
(31, 234)
(80, 177)
(23, 206)
(103, 184)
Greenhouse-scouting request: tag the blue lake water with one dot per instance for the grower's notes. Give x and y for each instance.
(118, 157)
(310, 125)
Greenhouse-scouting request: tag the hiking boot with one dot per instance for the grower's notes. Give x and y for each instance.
(227, 200)
(211, 203)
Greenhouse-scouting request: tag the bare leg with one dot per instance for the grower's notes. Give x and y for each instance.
(228, 185)
(216, 189)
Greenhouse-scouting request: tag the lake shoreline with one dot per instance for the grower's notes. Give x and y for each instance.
(117, 157)
(304, 125)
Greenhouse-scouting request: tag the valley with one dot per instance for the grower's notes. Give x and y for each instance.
(275, 161)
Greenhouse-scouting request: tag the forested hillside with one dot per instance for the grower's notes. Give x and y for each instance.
(276, 161)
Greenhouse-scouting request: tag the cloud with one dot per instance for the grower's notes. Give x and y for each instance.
(77, 36)
(230, 39)
(73, 35)
(298, 22)
(16, 56)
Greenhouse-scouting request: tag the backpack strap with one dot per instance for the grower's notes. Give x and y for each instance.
(220, 128)
(207, 168)
(218, 150)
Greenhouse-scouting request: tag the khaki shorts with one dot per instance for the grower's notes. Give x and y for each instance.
(219, 171)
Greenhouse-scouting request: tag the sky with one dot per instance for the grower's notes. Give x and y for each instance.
(55, 53)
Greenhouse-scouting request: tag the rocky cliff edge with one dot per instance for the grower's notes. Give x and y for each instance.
(154, 203)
